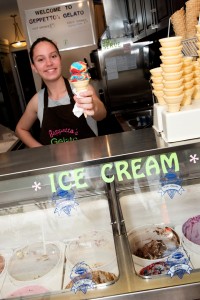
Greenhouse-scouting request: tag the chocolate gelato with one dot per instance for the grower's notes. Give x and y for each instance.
(152, 250)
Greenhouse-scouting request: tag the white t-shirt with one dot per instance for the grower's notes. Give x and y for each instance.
(63, 101)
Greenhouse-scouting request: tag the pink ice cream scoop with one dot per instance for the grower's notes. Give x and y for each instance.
(29, 290)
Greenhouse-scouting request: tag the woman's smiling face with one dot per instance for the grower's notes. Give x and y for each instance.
(47, 61)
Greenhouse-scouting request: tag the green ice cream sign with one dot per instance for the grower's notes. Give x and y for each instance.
(132, 169)
(120, 170)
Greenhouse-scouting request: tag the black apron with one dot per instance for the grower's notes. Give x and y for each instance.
(60, 125)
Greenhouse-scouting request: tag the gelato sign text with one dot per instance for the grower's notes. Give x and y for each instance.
(69, 25)
(133, 169)
(47, 14)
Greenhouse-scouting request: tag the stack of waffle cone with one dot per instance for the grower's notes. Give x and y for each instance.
(188, 80)
(196, 93)
(157, 84)
(196, 67)
(172, 62)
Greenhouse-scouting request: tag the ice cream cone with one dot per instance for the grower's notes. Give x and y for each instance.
(173, 102)
(80, 85)
(173, 107)
(79, 78)
(187, 99)
(196, 94)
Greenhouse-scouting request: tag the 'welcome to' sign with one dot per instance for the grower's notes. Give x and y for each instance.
(69, 24)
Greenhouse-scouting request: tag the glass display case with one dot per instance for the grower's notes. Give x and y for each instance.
(108, 216)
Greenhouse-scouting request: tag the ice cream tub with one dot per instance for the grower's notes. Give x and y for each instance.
(155, 269)
(91, 255)
(3, 268)
(32, 262)
(191, 234)
(152, 243)
(96, 248)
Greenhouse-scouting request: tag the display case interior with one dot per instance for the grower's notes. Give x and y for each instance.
(109, 225)
(160, 212)
(52, 233)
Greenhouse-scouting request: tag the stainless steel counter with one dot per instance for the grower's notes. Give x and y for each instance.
(8, 139)
(83, 152)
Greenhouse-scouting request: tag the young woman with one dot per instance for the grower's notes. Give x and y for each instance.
(53, 104)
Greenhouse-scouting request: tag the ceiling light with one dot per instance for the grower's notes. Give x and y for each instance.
(18, 42)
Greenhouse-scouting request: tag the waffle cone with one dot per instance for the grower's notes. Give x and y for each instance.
(175, 107)
(80, 85)
(192, 14)
(178, 20)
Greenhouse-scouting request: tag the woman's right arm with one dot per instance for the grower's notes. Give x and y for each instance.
(26, 122)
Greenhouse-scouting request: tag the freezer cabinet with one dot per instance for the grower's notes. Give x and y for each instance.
(112, 216)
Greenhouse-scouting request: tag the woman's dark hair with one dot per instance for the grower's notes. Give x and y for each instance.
(42, 39)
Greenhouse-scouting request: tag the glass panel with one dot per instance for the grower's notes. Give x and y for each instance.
(159, 199)
(56, 233)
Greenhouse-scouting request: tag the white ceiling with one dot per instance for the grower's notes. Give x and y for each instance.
(7, 8)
